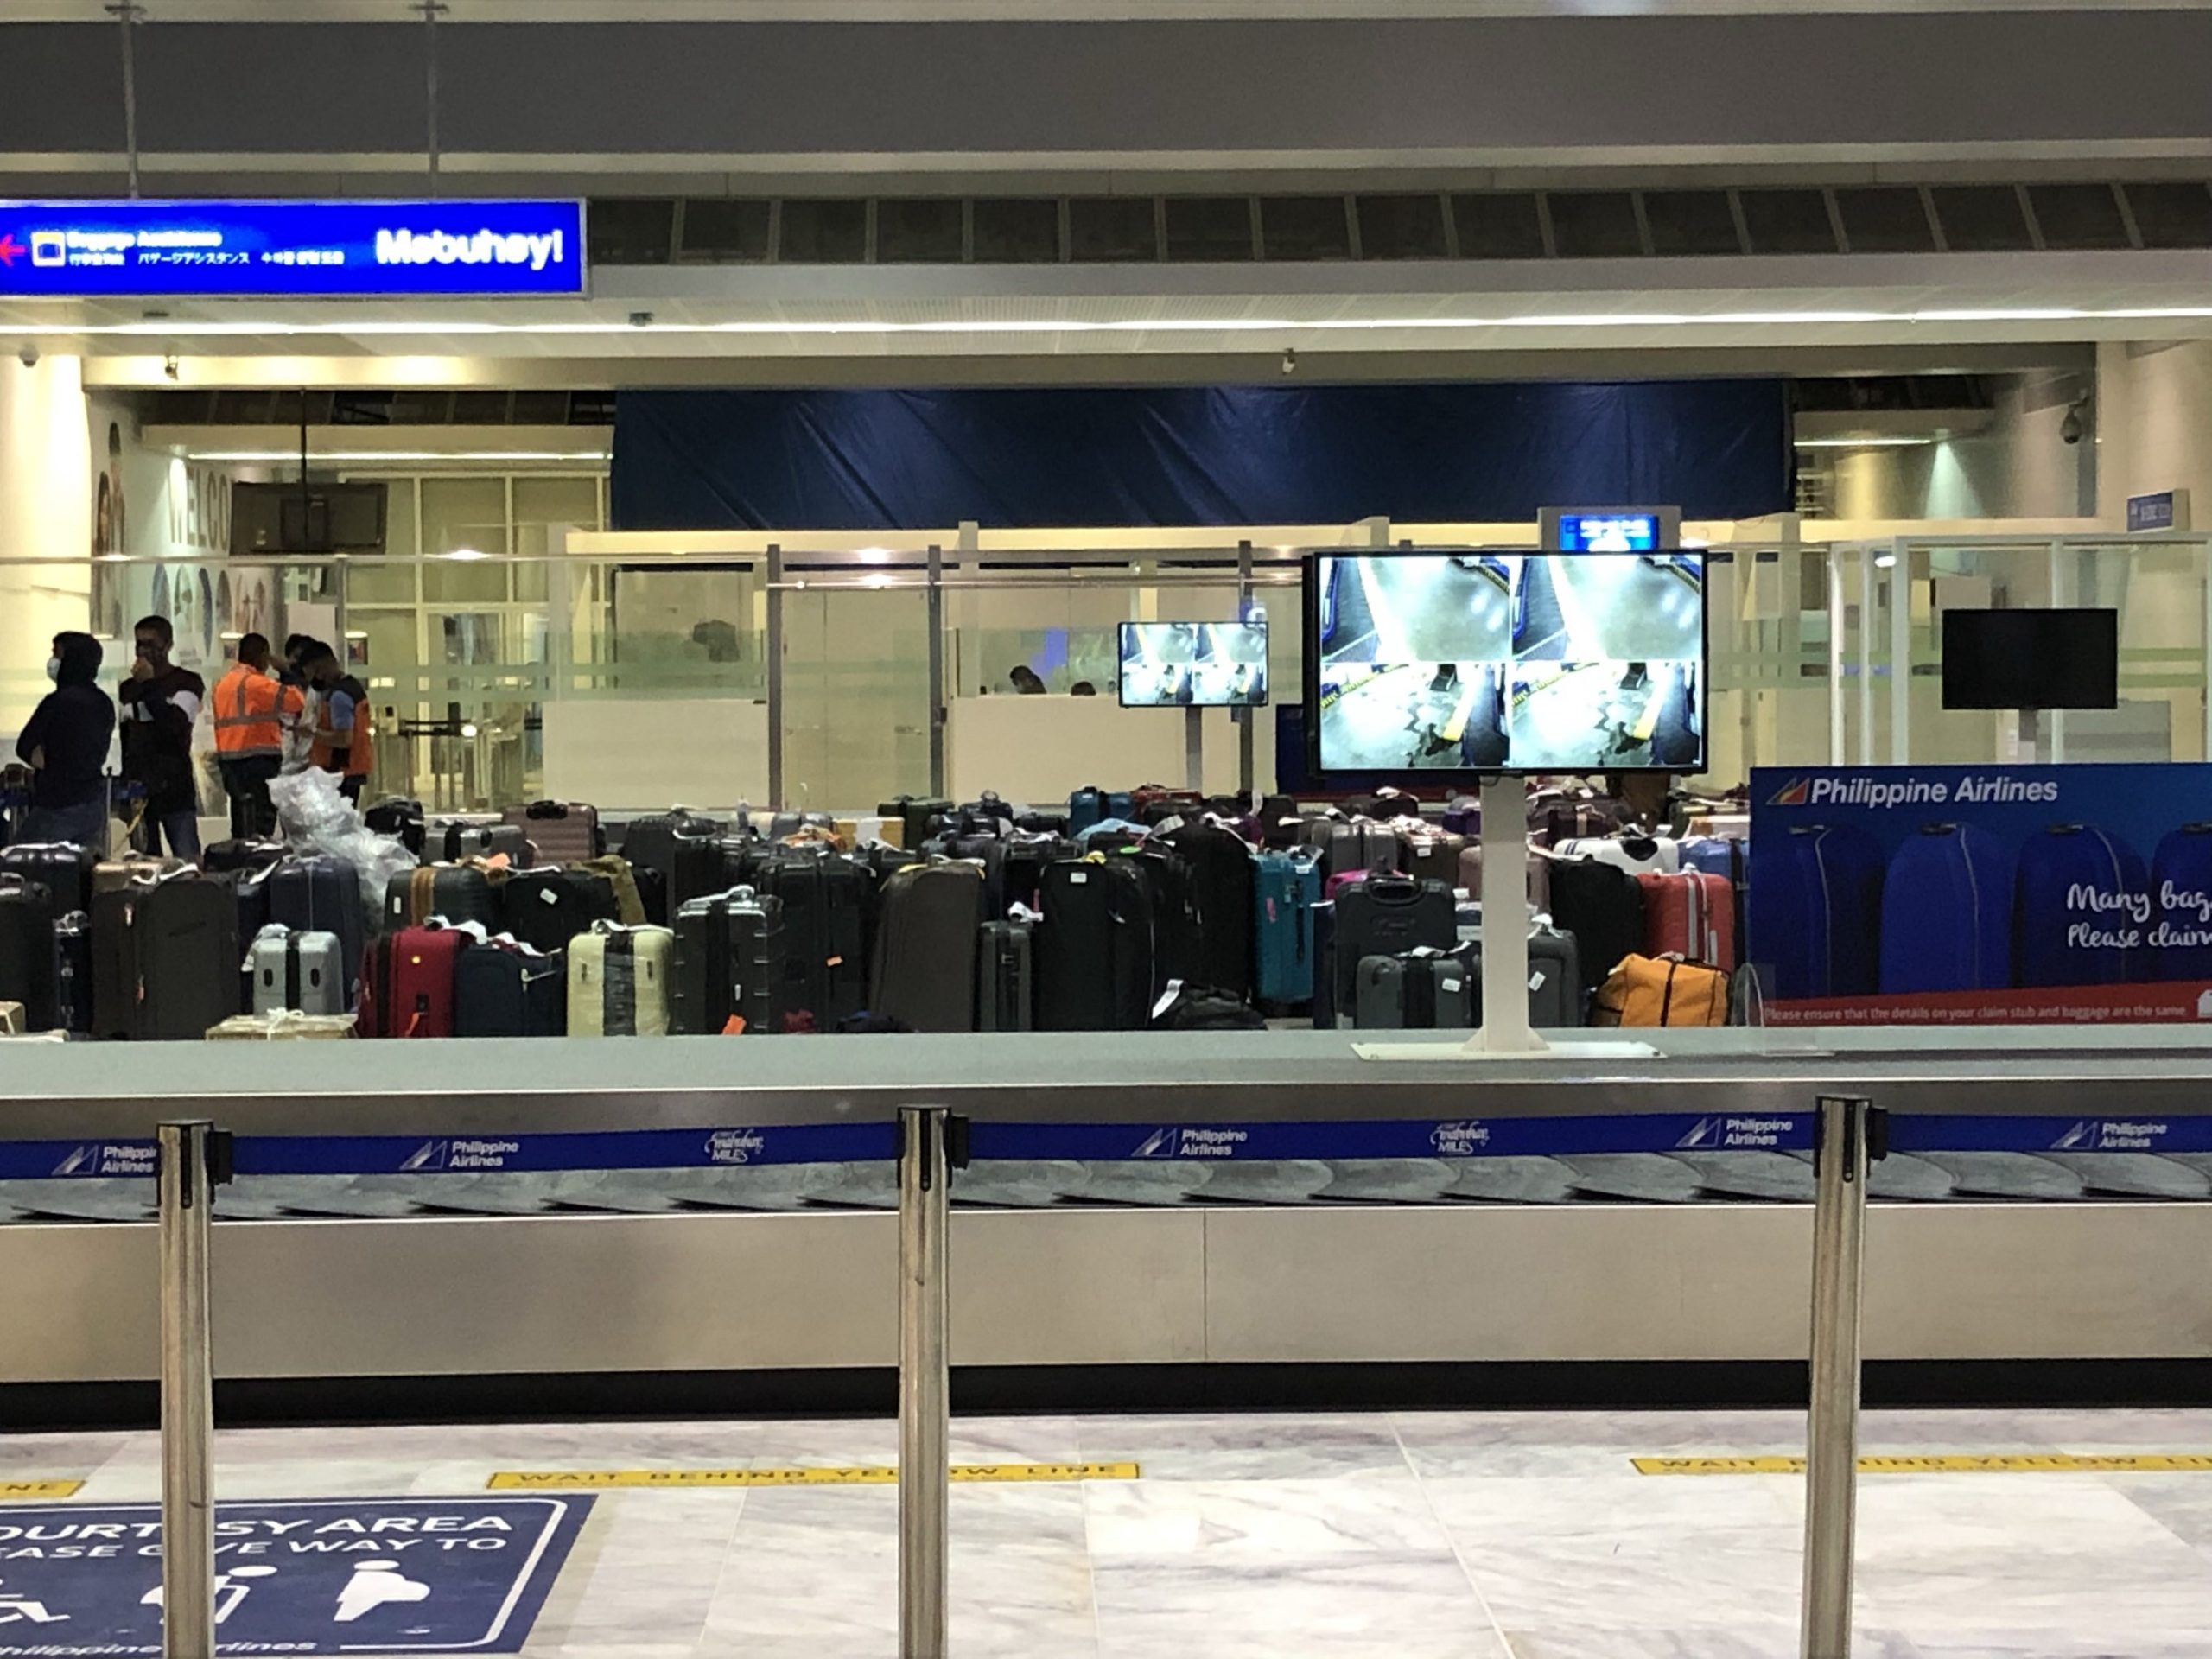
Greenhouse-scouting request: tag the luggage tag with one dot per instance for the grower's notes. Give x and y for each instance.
(1167, 998)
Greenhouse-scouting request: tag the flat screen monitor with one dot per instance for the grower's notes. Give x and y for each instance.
(2031, 659)
(1479, 661)
(1194, 664)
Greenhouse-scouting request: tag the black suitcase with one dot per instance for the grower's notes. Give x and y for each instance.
(227, 856)
(398, 817)
(782, 825)
(1221, 874)
(1419, 990)
(165, 959)
(923, 972)
(1093, 950)
(73, 973)
(1017, 877)
(250, 897)
(509, 991)
(1178, 933)
(826, 904)
(471, 839)
(918, 816)
(28, 955)
(63, 870)
(729, 965)
(544, 909)
(1323, 918)
(456, 893)
(1006, 998)
(319, 893)
(1387, 916)
(1603, 907)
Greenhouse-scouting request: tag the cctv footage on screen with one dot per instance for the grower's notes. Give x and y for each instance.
(1523, 662)
(1193, 663)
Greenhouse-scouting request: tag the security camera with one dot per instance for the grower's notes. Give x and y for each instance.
(28, 356)
(2071, 429)
(1290, 360)
(170, 367)
(641, 319)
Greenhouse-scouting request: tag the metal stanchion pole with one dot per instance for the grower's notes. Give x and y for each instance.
(932, 1143)
(1851, 1134)
(195, 1159)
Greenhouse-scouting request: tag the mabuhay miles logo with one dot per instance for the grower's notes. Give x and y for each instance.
(735, 1146)
(1795, 792)
(1461, 1139)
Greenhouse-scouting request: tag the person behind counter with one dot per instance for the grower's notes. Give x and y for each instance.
(64, 743)
(160, 702)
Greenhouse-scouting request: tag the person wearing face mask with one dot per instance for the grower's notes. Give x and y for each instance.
(64, 743)
(252, 712)
(342, 737)
(160, 702)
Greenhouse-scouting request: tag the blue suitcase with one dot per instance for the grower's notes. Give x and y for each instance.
(1814, 911)
(2071, 862)
(1091, 804)
(1286, 889)
(1947, 913)
(2181, 880)
(1714, 856)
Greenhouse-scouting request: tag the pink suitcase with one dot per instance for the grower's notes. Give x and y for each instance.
(1690, 915)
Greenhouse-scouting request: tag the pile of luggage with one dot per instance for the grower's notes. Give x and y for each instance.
(1155, 908)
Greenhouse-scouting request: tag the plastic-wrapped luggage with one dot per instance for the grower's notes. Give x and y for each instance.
(728, 968)
(1947, 913)
(618, 981)
(928, 937)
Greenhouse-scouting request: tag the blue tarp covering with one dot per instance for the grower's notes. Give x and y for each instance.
(895, 460)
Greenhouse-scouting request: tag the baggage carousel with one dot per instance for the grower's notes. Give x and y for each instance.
(641, 1275)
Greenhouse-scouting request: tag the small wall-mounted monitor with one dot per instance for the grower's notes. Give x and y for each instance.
(269, 519)
(1483, 661)
(2031, 659)
(1194, 664)
(1610, 529)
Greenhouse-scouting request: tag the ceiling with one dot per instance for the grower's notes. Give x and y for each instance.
(579, 11)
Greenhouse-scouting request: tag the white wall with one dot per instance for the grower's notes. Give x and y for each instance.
(631, 753)
(46, 485)
(1039, 750)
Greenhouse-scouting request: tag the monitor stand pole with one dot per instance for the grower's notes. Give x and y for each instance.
(1194, 749)
(1504, 1034)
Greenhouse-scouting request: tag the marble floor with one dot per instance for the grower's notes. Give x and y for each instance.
(1475, 1535)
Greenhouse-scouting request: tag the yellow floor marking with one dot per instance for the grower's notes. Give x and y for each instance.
(828, 1475)
(2009, 1463)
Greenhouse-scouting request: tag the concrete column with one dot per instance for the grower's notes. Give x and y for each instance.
(46, 513)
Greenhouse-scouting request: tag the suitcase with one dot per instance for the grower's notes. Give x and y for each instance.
(1689, 914)
(629, 891)
(1556, 1002)
(2067, 861)
(1463, 816)
(1553, 820)
(1336, 884)
(507, 989)
(915, 815)
(1360, 846)
(165, 957)
(1388, 915)
(319, 893)
(1632, 853)
(827, 904)
(1947, 913)
(1286, 887)
(544, 909)
(785, 825)
(225, 856)
(1602, 905)
(1005, 998)
(454, 839)
(401, 818)
(1093, 952)
(73, 973)
(64, 871)
(451, 893)
(2181, 884)
(1280, 826)
(650, 842)
(1178, 934)
(728, 976)
(924, 974)
(1324, 920)
(1814, 911)
(1091, 804)
(408, 990)
(28, 955)
(1432, 856)
(1420, 990)
(1221, 877)
(1154, 803)
(112, 875)
(1540, 875)
(561, 832)
(618, 981)
(303, 972)
(1014, 873)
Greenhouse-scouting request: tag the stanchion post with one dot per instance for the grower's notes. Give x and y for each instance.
(932, 1143)
(1850, 1134)
(194, 1160)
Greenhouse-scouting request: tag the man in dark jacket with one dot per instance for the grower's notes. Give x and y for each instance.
(66, 743)
(160, 702)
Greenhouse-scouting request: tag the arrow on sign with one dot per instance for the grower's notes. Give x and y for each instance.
(10, 250)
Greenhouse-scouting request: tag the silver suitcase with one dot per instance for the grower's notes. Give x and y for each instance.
(302, 971)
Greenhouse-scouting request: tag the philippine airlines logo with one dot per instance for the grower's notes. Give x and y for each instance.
(431, 1154)
(1795, 792)
(1706, 1132)
(2081, 1134)
(1160, 1143)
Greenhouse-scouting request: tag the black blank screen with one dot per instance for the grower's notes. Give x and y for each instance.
(2031, 659)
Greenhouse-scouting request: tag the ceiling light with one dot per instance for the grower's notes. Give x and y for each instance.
(1885, 561)
(466, 553)
(252, 457)
(875, 556)
(1864, 443)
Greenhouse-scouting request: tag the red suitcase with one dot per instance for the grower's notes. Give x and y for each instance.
(407, 991)
(1690, 915)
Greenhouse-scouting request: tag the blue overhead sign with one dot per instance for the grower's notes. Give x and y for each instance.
(291, 250)
(2167, 510)
(346, 1575)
